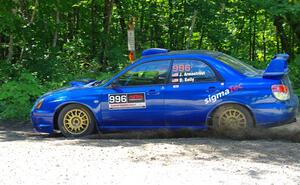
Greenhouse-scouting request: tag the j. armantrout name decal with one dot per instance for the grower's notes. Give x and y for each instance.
(215, 97)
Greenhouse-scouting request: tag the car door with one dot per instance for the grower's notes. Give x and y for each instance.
(136, 98)
(187, 99)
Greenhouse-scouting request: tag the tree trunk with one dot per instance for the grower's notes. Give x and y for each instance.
(152, 26)
(77, 19)
(29, 20)
(57, 22)
(170, 26)
(293, 20)
(291, 41)
(121, 17)
(11, 41)
(10, 48)
(176, 40)
(264, 38)
(24, 9)
(201, 37)
(159, 40)
(191, 30)
(277, 43)
(184, 2)
(93, 28)
(142, 29)
(151, 37)
(108, 6)
(250, 38)
(2, 51)
(254, 38)
(34, 11)
(278, 22)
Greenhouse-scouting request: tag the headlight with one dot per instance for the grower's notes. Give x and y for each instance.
(39, 104)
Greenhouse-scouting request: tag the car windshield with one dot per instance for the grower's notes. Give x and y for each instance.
(239, 65)
(98, 82)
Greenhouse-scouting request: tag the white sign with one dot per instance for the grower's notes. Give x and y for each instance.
(131, 41)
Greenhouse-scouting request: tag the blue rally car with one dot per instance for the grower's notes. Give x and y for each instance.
(173, 90)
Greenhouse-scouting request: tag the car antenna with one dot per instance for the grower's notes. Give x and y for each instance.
(191, 29)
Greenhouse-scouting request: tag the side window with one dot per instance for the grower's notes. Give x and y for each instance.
(149, 73)
(190, 71)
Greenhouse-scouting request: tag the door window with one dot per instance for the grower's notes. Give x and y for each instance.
(191, 71)
(149, 73)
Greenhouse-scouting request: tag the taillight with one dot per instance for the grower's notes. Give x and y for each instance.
(281, 92)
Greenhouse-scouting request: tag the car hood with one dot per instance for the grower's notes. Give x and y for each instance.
(60, 91)
(71, 92)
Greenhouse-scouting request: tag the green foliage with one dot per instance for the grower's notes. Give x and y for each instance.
(297, 92)
(17, 96)
(294, 74)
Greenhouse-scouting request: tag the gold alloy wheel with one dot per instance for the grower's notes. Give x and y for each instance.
(76, 121)
(233, 119)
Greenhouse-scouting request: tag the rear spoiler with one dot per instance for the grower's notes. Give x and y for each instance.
(277, 67)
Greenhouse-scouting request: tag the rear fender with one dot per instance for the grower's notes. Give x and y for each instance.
(210, 113)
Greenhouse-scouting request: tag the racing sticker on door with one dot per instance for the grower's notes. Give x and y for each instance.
(126, 101)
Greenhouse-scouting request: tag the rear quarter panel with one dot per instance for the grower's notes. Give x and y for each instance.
(256, 95)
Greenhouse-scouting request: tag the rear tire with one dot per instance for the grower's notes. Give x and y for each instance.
(76, 121)
(232, 118)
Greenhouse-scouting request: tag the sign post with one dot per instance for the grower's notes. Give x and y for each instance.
(131, 40)
(191, 30)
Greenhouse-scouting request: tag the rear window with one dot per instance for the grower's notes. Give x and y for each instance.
(239, 65)
(191, 71)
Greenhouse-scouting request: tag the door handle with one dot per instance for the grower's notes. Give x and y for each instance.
(153, 92)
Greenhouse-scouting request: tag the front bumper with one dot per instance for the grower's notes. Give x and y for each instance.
(42, 122)
(293, 120)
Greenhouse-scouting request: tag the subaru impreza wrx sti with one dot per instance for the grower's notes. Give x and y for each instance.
(173, 90)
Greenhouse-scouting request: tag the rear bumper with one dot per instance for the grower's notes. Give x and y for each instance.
(277, 113)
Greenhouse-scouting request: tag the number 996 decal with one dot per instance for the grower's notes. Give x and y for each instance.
(126, 101)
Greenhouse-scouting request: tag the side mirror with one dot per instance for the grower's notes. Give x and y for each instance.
(114, 84)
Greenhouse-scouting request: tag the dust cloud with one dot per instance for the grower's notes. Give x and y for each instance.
(290, 132)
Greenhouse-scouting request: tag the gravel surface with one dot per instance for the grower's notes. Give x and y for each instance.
(269, 156)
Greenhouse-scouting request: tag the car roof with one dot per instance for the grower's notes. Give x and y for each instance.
(202, 52)
(213, 54)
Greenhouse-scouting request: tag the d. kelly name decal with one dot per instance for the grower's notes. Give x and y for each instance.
(215, 97)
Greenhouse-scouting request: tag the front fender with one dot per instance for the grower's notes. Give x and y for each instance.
(94, 107)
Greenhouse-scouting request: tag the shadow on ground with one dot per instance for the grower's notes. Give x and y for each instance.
(10, 131)
(278, 146)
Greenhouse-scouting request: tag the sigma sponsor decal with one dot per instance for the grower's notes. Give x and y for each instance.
(215, 97)
(126, 101)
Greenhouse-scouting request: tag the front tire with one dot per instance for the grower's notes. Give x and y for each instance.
(232, 117)
(76, 121)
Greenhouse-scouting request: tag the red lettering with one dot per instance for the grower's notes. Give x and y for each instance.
(135, 96)
(235, 88)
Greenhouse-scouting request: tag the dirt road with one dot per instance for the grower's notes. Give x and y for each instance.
(269, 156)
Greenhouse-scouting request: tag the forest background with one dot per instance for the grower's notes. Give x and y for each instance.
(44, 44)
